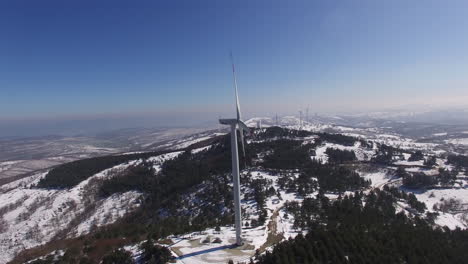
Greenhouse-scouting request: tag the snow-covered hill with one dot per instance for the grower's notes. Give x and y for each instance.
(31, 216)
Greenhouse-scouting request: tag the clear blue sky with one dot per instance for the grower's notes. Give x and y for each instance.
(84, 58)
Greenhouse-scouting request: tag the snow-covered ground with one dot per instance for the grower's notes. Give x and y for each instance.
(194, 251)
(436, 196)
(187, 141)
(35, 216)
(360, 152)
(409, 163)
(195, 248)
(458, 141)
(108, 211)
(191, 249)
(378, 179)
(194, 151)
(159, 160)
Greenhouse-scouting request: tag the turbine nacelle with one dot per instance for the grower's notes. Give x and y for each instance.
(239, 125)
(231, 121)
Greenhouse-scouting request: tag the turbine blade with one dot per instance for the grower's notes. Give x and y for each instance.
(243, 127)
(242, 141)
(239, 117)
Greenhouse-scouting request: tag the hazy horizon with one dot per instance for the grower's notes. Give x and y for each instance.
(95, 124)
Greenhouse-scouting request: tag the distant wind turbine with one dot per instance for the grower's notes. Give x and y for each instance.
(300, 119)
(236, 124)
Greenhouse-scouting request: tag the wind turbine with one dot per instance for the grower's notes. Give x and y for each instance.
(300, 119)
(236, 124)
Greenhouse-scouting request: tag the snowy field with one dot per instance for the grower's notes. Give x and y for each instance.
(378, 179)
(362, 154)
(435, 196)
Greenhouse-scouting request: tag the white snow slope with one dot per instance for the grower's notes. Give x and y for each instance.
(34, 216)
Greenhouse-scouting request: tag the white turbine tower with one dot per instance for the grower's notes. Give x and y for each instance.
(236, 124)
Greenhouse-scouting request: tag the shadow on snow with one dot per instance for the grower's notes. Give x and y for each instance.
(206, 251)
